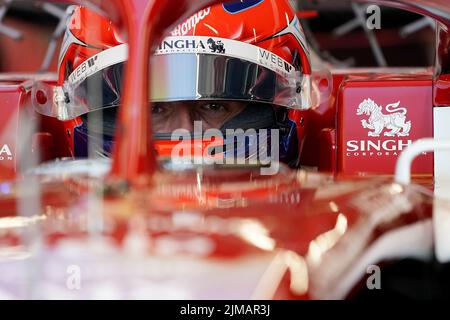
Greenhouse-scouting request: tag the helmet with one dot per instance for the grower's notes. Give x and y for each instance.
(250, 55)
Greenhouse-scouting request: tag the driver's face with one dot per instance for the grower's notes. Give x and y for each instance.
(170, 116)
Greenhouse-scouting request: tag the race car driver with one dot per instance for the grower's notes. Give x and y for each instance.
(240, 65)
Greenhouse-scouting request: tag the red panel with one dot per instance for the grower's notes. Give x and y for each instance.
(62, 133)
(327, 150)
(359, 150)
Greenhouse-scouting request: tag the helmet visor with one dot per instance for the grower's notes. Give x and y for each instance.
(178, 77)
(184, 69)
(207, 68)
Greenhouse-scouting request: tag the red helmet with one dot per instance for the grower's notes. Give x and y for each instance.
(251, 52)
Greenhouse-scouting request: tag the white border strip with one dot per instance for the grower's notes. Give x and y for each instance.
(441, 119)
(441, 205)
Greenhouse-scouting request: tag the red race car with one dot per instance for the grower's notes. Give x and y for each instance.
(203, 151)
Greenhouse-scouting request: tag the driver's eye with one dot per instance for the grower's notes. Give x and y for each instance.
(157, 109)
(213, 107)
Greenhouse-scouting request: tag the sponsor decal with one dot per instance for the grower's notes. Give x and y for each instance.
(395, 120)
(216, 46)
(194, 45)
(230, 48)
(184, 28)
(91, 62)
(85, 68)
(178, 45)
(5, 153)
(392, 123)
(376, 148)
(268, 58)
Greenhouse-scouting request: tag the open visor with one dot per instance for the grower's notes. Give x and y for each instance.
(183, 69)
